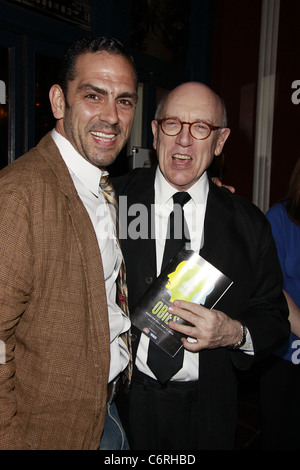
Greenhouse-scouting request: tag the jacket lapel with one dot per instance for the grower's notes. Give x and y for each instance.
(84, 233)
(143, 194)
(217, 218)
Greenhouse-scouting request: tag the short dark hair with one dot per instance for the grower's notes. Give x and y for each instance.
(67, 71)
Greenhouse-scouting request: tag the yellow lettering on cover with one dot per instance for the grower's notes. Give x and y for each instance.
(161, 311)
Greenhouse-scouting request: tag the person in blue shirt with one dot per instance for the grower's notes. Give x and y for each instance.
(280, 376)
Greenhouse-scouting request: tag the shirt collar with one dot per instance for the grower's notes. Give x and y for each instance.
(87, 173)
(164, 190)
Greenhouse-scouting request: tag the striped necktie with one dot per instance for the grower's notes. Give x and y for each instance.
(122, 294)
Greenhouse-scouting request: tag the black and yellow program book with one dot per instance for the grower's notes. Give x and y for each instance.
(188, 277)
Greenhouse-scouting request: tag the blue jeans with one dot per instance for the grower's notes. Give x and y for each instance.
(113, 437)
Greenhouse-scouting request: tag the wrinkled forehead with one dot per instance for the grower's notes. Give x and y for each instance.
(194, 103)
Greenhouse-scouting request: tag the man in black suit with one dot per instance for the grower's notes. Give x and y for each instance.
(196, 408)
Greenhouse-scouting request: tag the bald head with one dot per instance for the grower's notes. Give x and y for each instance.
(183, 158)
(197, 91)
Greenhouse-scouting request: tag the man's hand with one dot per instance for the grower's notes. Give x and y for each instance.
(211, 328)
(218, 182)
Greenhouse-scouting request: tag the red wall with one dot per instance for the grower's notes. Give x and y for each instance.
(234, 77)
(286, 150)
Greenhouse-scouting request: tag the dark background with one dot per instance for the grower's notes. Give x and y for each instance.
(213, 41)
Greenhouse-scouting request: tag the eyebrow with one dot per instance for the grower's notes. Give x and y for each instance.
(102, 91)
(208, 121)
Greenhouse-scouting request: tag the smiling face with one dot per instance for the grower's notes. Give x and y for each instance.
(183, 159)
(97, 114)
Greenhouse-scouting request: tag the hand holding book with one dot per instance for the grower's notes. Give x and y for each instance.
(193, 282)
(210, 328)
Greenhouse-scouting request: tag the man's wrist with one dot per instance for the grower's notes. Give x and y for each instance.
(242, 341)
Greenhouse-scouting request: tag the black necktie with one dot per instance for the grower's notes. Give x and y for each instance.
(161, 363)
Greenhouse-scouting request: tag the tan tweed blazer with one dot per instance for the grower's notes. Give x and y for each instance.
(53, 311)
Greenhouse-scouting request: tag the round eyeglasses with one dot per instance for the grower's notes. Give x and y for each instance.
(200, 130)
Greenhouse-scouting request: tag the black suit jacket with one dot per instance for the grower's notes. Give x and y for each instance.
(238, 241)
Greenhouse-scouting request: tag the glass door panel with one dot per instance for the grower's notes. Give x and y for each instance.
(46, 75)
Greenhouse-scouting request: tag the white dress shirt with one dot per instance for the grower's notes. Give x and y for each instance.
(86, 178)
(194, 213)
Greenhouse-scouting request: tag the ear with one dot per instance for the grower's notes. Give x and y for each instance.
(221, 140)
(154, 126)
(57, 100)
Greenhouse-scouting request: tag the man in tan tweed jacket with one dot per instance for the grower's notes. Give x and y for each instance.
(59, 323)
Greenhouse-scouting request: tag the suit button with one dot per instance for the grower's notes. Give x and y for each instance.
(133, 337)
(149, 280)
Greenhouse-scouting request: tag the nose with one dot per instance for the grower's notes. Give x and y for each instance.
(184, 137)
(109, 112)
